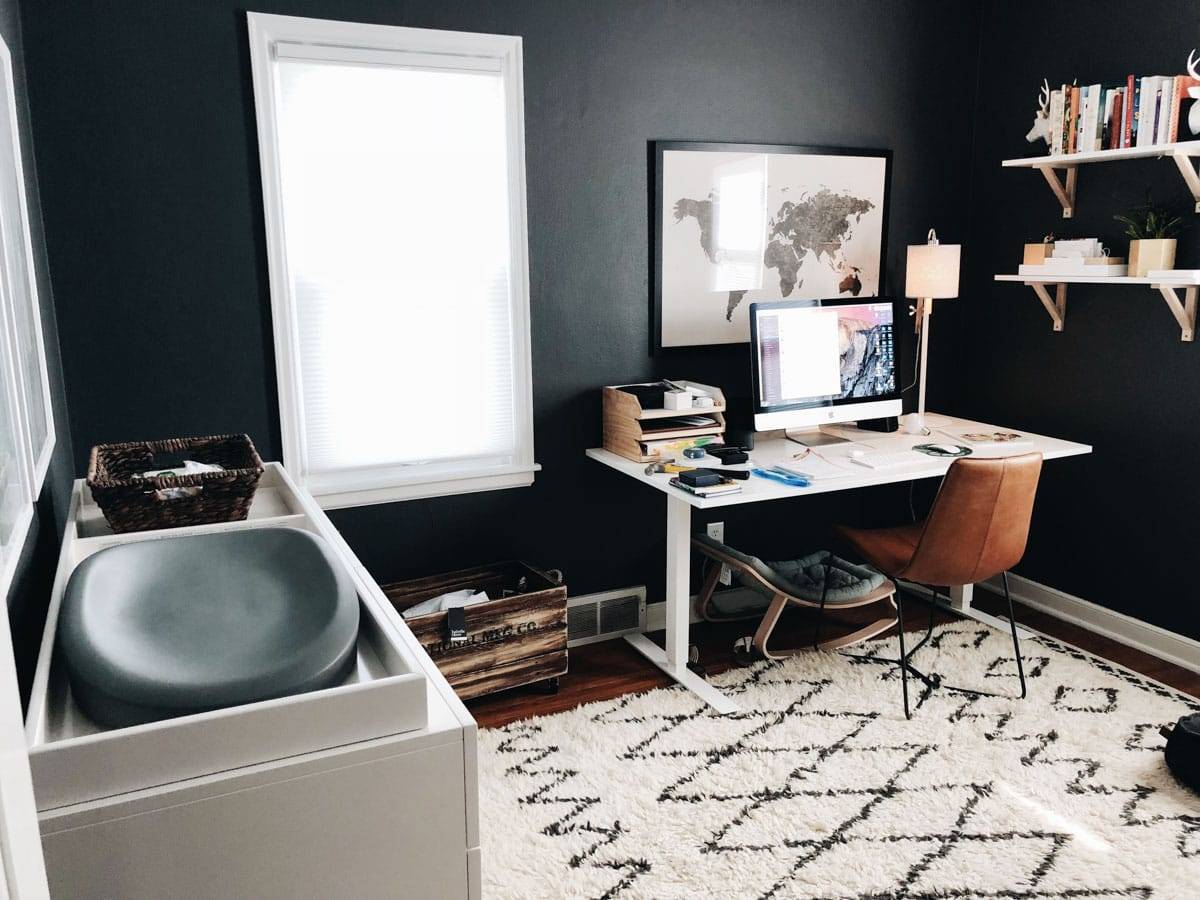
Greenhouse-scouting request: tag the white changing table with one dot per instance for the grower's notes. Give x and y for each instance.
(367, 789)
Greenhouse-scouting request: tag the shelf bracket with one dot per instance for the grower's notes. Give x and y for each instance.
(1065, 191)
(1188, 171)
(1057, 307)
(1184, 311)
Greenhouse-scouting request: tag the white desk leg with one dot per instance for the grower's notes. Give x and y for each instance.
(961, 596)
(960, 602)
(674, 660)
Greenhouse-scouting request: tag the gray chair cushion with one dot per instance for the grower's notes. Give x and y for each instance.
(168, 627)
(804, 577)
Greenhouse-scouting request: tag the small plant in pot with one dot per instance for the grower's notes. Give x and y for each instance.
(1152, 231)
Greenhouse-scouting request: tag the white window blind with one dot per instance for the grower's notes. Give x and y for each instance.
(26, 422)
(20, 294)
(393, 176)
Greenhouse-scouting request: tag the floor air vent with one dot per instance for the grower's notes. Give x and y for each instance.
(600, 617)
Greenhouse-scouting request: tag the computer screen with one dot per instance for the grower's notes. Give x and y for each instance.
(818, 354)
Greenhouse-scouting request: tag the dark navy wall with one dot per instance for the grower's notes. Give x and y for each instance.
(144, 117)
(1118, 527)
(31, 587)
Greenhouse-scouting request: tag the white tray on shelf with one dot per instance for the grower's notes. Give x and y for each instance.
(1072, 266)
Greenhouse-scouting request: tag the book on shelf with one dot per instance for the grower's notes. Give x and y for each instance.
(1181, 98)
(1070, 125)
(1135, 125)
(1056, 116)
(1127, 113)
(1087, 119)
(1112, 120)
(1156, 121)
(1142, 111)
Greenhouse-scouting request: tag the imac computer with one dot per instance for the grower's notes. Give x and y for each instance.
(820, 362)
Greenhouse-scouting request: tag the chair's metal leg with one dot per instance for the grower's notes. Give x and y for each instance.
(824, 594)
(903, 656)
(1012, 620)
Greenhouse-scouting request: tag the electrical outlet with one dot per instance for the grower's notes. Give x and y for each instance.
(716, 531)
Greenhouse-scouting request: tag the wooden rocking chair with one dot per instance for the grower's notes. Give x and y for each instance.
(782, 590)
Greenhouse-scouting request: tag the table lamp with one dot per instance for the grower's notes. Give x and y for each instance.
(931, 274)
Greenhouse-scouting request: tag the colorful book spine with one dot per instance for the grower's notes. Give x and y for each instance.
(1106, 130)
(1136, 138)
(1073, 119)
(1178, 98)
(1145, 123)
(1127, 127)
(1055, 116)
(1081, 144)
(1158, 94)
(1065, 125)
(1113, 139)
(1094, 119)
(1186, 84)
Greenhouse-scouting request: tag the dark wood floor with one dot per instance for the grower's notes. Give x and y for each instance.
(612, 668)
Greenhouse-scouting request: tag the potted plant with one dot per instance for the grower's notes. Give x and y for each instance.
(1152, 231)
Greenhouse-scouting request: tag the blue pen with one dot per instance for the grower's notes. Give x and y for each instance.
(788, 478)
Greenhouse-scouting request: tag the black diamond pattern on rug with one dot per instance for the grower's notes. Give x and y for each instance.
(820, 788)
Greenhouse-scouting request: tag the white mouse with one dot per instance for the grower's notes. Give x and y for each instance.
(945, 448)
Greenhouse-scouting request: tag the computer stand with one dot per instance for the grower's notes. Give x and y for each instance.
(815, 437)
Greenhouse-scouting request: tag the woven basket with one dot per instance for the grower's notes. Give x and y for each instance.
(132, 503)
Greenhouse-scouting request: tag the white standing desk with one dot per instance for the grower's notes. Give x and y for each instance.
(770, 451)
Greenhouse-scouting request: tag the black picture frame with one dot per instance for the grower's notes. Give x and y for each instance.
(655, 161)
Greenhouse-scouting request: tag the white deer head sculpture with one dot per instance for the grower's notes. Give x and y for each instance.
(1194, 93)
(1041, 119)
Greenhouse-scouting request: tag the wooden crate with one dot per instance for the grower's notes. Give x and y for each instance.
(513, 640)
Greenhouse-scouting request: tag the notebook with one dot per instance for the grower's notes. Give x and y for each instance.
(715, 490)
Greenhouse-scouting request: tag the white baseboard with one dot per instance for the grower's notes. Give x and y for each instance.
(1166, 645)
(656, 613)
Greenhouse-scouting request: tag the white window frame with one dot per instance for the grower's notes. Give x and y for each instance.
(37, 459)
(273, 36)
(32, 462)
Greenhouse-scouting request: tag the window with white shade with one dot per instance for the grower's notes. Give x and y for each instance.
(26, 420)
(394, 194)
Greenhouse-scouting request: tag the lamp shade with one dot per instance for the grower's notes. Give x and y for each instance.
(932, 270)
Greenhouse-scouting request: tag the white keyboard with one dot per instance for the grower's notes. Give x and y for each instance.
(889, 459)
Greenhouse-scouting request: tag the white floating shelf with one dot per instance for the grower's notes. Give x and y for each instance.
(1181, 279)
(1184, 310)
(1187, 148)
(1183, 152)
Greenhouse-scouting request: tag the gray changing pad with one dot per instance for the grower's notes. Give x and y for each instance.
(168, 627)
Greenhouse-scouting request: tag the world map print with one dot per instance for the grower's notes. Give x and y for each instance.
(743, 227)
(819, 224)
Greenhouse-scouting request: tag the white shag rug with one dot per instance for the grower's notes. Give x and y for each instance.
(821, 788)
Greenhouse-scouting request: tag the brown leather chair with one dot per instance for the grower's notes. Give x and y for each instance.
(976, 529)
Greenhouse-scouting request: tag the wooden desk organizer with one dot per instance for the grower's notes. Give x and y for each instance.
(627, 426)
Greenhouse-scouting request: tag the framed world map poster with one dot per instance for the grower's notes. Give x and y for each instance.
(738, 223)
